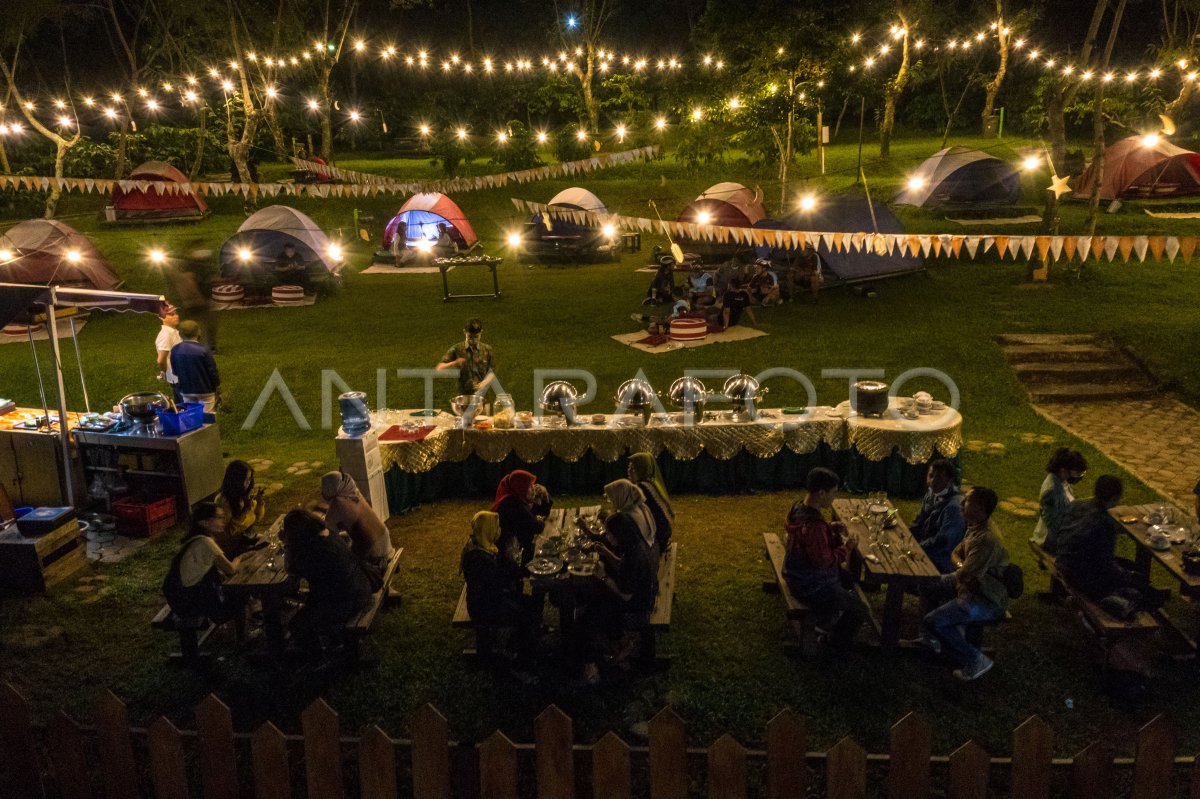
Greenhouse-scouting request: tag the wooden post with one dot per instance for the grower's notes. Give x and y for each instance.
(18, 755)
(497, 768)
(911, 747)
(430, 754)
(1032, 751)
(846, 771)
(1154, 757)
(668, 756)
(322, 751)
(64, 739)
(726, 769)
(611, 778)
(218, 761)
(272, 774)
(969, 772)
(167, 771)
(115, 749)
(554, 737)
(376, 765)
(787, 750)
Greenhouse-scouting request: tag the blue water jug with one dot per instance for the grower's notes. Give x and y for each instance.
(356, 417)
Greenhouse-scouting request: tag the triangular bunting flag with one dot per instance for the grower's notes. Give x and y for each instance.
(1187, 245)
(1172, 247)
(972, 243)
(1111, 244)
(1043, 247)
(1002, 246)
(1056, 247)
(1140, 245)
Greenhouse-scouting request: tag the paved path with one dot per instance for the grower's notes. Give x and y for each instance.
(1156, 440)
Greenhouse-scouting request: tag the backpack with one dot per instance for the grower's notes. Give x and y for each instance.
(1014, 580)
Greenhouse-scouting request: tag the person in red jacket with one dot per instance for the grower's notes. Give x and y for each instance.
(816, 551)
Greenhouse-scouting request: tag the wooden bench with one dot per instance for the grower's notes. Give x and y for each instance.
(797, 611)
(1104, 627)
(193, 632)
(360, 625)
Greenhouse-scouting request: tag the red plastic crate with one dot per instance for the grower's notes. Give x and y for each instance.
(144, 517)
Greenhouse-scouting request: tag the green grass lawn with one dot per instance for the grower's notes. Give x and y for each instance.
(730, 672)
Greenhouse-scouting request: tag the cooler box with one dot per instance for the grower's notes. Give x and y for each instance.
(40, 521)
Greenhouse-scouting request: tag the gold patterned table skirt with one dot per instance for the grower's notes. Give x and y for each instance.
(874, 439)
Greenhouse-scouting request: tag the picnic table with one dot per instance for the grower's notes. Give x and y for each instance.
(894, 559)
(1170, 559)
(262, 574)
(444, 265)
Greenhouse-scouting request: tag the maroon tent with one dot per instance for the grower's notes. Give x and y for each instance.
(1144, 166)
(729, 204)
(49, 252)
(163, 196)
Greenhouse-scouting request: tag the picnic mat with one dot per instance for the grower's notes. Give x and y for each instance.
(64, 331)
(1173, 214)
(398, 433)
(640, 340)
(309, 299)
(387, 269)
(1008, 220)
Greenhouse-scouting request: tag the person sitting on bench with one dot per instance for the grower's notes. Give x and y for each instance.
(812, 567)
(290, 269)
(1065, 469)
(245, 506)
(339, 588)
(350, 515)
(522, 506)
(975, 592)
(494, 597)
(939, 525)
(1086, 558)
(193, 583)
(643, 472)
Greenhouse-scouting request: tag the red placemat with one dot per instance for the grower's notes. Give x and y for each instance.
(653, 340)
(398, 433)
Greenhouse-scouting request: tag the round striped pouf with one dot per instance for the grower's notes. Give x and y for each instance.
(287, 295)
(689, 329)
(230, 292)
(22, 330)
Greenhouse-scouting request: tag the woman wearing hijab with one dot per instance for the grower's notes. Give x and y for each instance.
(351, 516)
(493, 595)
(245, 506)
(519, 503)
(643, 472)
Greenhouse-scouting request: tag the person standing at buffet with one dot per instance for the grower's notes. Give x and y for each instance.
(473, 359)
(168, 337)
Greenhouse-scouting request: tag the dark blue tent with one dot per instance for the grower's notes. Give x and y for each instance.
(960, 176)
(845, 215)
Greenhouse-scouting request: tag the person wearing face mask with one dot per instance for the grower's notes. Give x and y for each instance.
(1065, 469)
(472, 358)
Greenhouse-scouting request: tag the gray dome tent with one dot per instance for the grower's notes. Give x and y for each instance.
(960, 176)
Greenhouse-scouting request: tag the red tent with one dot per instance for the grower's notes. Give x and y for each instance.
(148, 203)
(729, 204)
(48, 252)
(422, 213)
(1144, 166)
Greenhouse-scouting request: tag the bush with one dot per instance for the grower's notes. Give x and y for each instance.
(89, 159)
(702, 145)
(568, 146)
(448, 150)
(519, 150)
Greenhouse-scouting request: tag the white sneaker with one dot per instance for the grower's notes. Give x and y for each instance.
(982, 665)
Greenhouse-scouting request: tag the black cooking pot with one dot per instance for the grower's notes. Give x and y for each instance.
(869, 398)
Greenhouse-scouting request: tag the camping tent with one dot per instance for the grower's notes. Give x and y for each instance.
(730, 204)
(846, 215)
(1144, 166)
(248, 254)
(549, 236)
(423, 213)
(49, 252)
(574, 199)
(150, 204)
(961, 176)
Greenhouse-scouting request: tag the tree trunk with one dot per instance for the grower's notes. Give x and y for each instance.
(838, 126)
(894, 88)
(4, 159)
(1056, 121)
(326, 118)
(993, 86)
(272, 115)
(470, 27)
(60, 155)
(202, 128)
(122, 152)
(1097, 158)
(589, 100)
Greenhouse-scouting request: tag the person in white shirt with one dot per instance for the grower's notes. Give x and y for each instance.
(168, 337)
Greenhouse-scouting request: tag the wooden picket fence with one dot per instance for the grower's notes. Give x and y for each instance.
(54, 760)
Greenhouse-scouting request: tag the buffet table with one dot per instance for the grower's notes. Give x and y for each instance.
(719, 456)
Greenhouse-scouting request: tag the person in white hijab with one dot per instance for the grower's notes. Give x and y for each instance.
(627, 498)
(350, 515)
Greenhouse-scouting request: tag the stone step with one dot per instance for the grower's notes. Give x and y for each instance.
(1081, 371)
(1083, 392)
(1008, 339)
(1034, 353)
